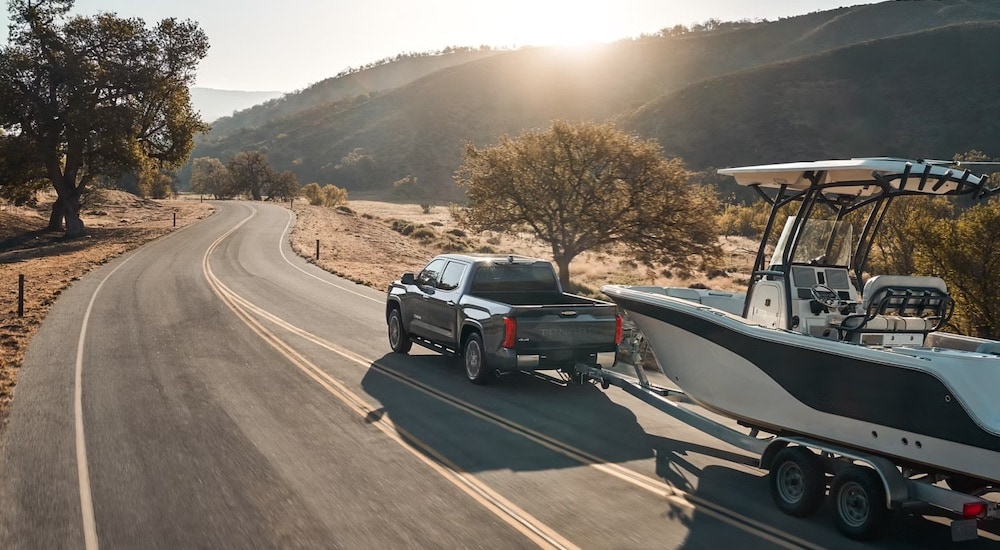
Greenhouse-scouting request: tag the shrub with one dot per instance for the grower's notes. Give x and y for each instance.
(423, 233)
(713, 273)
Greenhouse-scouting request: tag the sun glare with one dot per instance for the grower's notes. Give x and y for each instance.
(559, 23)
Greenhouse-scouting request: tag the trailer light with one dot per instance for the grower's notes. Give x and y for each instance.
(509, 332)
(618, 329)
(973, 509)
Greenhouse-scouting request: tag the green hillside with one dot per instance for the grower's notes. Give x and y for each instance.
(707, 96)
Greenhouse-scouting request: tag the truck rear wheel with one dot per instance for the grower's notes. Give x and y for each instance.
(399, 340)
(476, 369)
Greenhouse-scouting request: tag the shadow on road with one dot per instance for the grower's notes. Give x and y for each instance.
(585, 418)
(580, 416)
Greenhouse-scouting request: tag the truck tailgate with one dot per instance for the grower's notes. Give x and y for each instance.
(550, 328)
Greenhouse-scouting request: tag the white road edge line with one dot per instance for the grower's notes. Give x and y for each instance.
(281, 240)
(83, 471)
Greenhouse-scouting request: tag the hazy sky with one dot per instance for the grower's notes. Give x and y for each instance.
(286, 45)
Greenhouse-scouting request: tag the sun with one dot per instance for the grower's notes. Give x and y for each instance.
(567, 24)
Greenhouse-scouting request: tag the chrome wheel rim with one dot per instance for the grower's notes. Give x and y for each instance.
(394, 331)
(473, 359)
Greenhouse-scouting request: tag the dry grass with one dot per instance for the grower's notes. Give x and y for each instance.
(363, 247)
(116, 222)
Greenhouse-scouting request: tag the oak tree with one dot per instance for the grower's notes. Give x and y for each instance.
(96, 96)
(589, 186)
(250, 172)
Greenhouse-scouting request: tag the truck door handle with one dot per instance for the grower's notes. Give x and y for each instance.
(451, 302)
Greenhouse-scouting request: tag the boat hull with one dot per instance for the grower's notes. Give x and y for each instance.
(893, 403)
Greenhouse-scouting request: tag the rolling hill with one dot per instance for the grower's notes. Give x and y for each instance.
(868, 80)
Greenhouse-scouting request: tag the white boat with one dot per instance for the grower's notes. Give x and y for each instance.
(807, 352)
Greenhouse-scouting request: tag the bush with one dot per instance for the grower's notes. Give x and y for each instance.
(402, 227)
(424, 233)
(713, 273)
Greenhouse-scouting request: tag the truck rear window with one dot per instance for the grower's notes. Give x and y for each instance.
(514, 277)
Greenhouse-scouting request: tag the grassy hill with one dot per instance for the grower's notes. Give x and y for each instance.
(909, 96)
(710, 97)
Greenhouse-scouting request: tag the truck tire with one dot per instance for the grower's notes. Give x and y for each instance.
(399, 340)
(797, 481)
(859, 503)
(474, 360)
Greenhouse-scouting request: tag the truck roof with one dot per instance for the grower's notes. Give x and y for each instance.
(493, 258)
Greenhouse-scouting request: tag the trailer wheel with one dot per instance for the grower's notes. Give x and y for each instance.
(476, 369)
(798, 482)
(859, 503)
(399, 340)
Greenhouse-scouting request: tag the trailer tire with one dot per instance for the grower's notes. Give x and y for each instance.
(859, 503)
(474, 361)
(399, 340)
(797, 481)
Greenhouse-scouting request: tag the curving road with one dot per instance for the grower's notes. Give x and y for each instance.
(212, 389)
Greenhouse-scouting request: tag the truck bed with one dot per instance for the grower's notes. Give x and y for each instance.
(533, 298)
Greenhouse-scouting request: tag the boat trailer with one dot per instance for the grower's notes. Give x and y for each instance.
(865, 487)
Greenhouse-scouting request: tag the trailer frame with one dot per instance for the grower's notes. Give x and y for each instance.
(900, 488)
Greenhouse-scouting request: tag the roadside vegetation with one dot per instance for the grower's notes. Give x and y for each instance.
(590, 187)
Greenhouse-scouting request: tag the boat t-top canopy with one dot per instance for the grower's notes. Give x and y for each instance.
(863, 178)
(838, 188)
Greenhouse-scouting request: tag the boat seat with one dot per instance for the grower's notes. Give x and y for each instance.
(899, 304)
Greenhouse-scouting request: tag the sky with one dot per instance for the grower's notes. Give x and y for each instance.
(286, 45)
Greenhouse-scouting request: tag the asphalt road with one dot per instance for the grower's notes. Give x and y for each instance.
(214, 390)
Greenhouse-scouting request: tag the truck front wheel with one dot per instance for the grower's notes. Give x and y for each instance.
(476, 369)
(399, 340)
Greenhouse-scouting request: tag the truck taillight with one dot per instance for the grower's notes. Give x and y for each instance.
(509, 332)
(618, 329)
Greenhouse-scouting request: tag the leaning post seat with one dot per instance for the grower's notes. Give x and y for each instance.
(899, 304)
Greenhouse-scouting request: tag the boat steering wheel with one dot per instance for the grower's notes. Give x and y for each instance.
(826, 296)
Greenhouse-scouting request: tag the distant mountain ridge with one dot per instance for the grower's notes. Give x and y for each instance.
(843, 82)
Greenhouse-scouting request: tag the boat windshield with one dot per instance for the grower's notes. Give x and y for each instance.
(821, 242)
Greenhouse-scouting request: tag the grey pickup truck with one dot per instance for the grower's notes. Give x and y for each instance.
(501, 314)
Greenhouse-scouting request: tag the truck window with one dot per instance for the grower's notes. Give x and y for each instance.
(429, 275)
(452, 276)
(500, 277)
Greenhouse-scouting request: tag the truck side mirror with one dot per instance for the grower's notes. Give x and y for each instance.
(407, 279)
